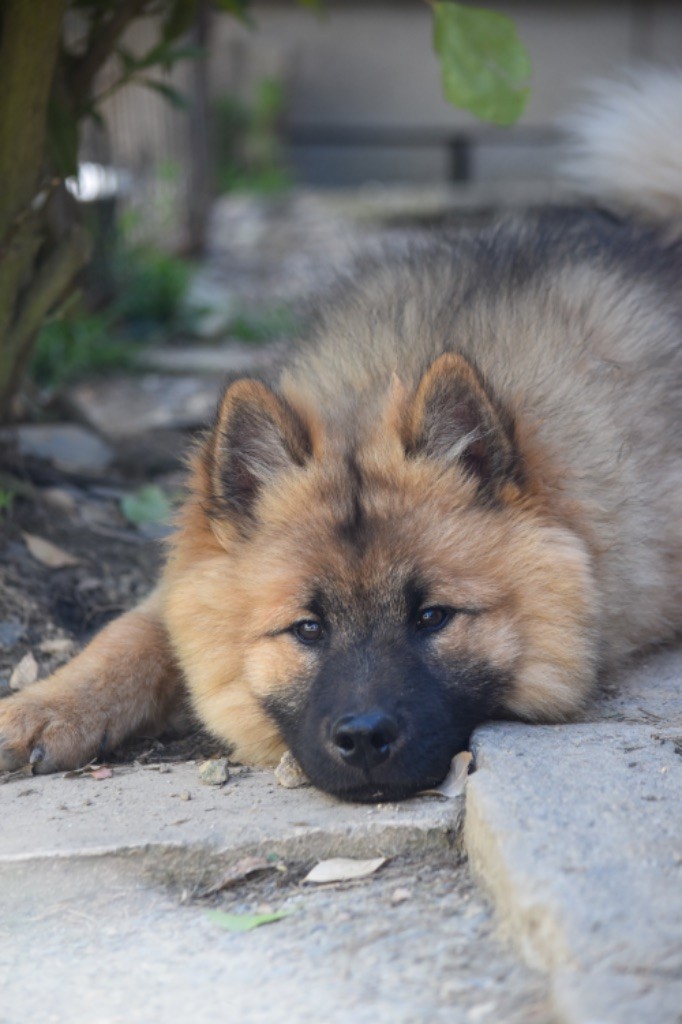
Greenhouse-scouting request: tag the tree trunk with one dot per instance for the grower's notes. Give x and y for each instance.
(29, 47)
(200, 192)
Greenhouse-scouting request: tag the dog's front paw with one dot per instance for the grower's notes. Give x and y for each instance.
(43, 734)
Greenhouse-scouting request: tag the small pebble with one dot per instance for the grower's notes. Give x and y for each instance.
(57, 645)
(289, 773)
(214, 772)
(60, 499)
(400, 896)
(185, 795)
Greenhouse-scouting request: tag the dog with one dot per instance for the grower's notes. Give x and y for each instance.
(459, 501)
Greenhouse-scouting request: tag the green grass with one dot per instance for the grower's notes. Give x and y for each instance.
(72, 347)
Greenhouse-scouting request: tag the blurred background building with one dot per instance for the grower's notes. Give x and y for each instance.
(353, 96)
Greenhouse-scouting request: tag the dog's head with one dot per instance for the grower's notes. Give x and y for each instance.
(367, 592)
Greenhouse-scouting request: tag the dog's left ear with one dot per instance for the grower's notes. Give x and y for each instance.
(257, 437)
(455, 419)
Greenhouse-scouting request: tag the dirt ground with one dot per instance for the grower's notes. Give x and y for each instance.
(114, 566)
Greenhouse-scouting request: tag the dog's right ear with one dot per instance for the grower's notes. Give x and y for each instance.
(257, 437)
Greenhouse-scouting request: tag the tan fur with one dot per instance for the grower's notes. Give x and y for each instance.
(508, 434)
(124, 683)
(531, 578)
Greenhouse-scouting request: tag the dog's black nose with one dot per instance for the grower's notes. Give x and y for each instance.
(365, 740)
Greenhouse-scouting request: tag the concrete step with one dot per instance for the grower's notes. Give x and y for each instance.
(576, 831)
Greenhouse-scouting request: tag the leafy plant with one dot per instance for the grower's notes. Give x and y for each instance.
(248, 148)
(76, 344)
(53, 73)
(151, 287)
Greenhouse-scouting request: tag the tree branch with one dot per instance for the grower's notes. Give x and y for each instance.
(50, 283)
(101, 46)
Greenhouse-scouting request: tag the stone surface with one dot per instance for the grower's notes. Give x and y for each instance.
(11, 632)
(68, 446)
(122, 407)
(97, 892)
(223, 359)
(105, 942)
(139, 809)
(577, 832)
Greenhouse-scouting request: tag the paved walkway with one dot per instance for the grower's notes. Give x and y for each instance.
(574, 831)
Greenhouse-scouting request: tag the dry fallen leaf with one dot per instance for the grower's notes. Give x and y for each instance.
(343, 869)
(25, 673)
(247, 867)
(455, 781)
(289, 773)
(95, 771)
(47, 553)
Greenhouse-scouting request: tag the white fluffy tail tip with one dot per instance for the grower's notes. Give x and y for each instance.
(627, 143)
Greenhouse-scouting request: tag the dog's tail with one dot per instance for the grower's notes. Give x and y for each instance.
(627, 145)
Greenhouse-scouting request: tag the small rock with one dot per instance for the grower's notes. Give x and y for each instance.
(400, 896)
(477, 1013)
(67, 446)
(121, 408)
(25, 673)
(11, 633)
(185, 795)
(214, 772)
(289, 773)
(57, 645)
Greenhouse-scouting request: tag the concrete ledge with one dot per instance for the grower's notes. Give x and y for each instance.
(576, 831)
(174, 816)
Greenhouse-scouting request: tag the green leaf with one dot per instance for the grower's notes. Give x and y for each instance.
(148, 505)
(244, 922)
(484, 65)
(167, 91)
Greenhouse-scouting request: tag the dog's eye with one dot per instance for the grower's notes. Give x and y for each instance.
(308, 632)
(431, 619)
